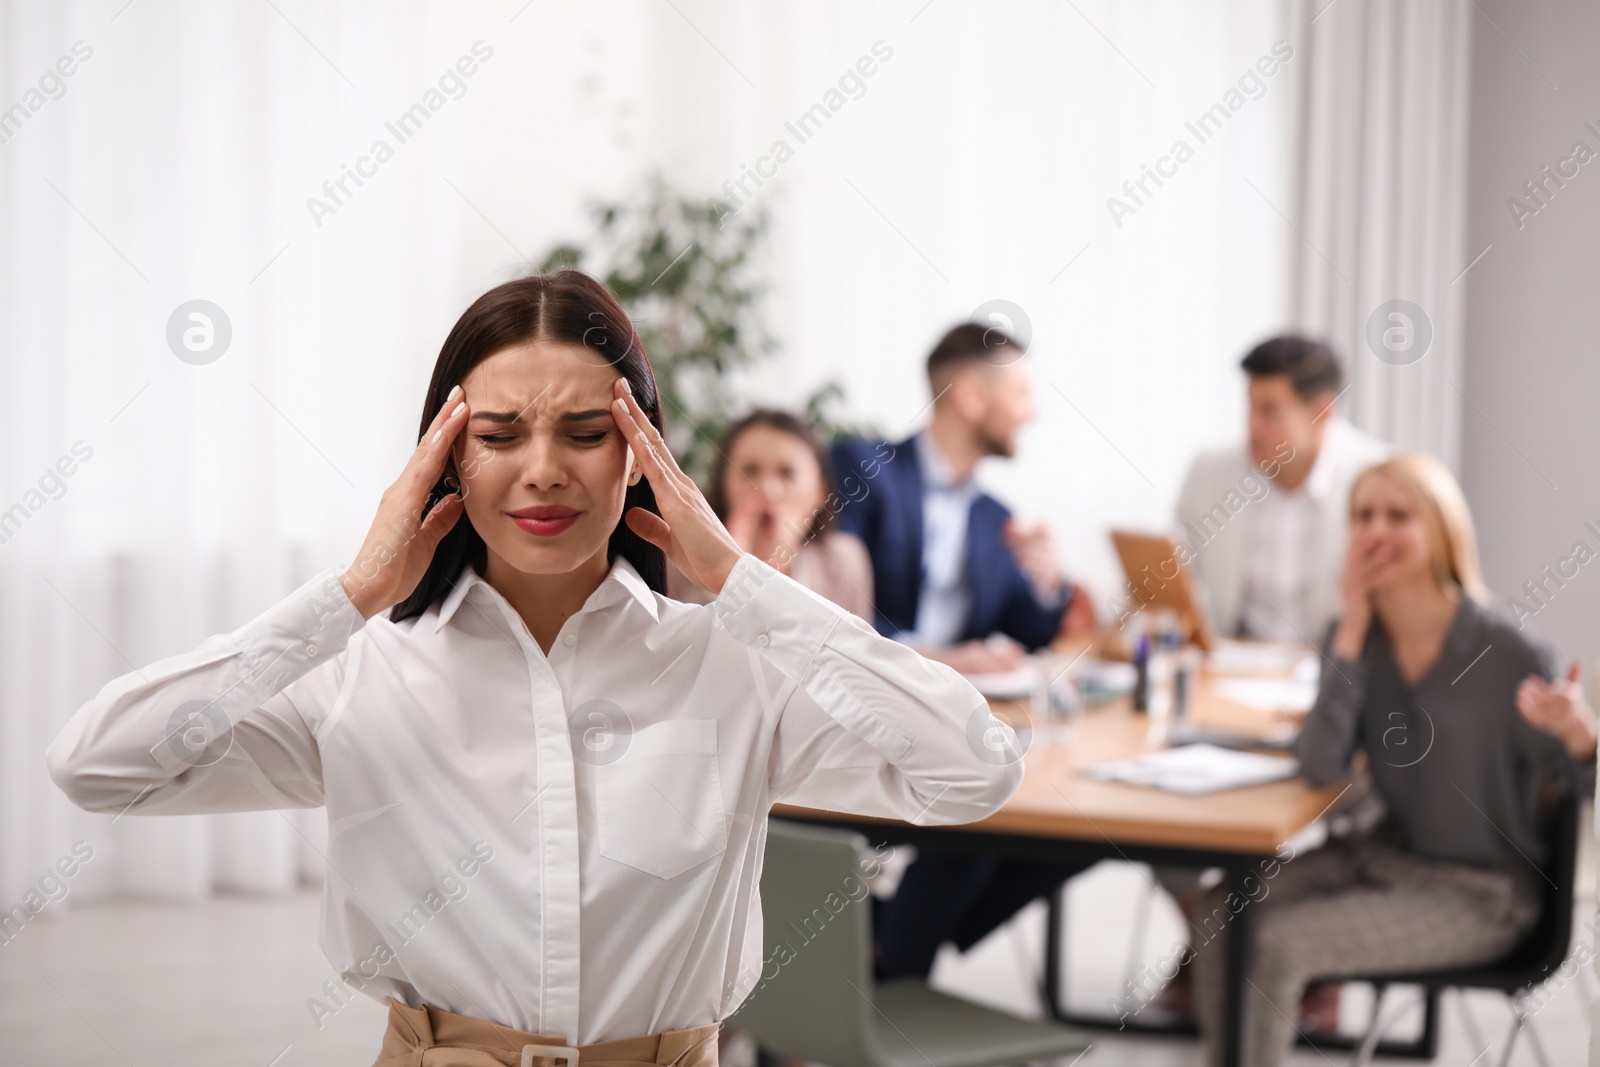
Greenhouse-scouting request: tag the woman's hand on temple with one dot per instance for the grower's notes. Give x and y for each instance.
(401, 543)
(687, 530)
(1559, 708)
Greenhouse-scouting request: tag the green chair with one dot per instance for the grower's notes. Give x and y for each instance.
(816, 998)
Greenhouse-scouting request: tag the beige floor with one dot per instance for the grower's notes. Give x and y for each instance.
(227, 983)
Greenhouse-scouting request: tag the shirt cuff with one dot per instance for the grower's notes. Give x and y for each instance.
(304, 630)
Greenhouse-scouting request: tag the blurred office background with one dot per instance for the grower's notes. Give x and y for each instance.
(178, 160)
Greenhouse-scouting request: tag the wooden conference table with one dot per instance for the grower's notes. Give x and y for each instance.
(1058, 815)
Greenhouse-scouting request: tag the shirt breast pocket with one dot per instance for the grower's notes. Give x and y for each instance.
(660, 803)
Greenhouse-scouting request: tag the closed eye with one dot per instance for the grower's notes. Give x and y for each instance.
(494, 439)
(589, 438)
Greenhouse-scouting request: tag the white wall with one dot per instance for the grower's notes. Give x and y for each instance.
(179, 161)
(991, 142)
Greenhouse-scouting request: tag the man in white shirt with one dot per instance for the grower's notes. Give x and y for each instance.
(1266, 523)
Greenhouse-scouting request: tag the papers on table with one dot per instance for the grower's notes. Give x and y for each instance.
(1280, 736)
(1015, 684)
(1268, 694)
(1196, 769)
(1261, 657)
(1278, 677)
(1096, 680)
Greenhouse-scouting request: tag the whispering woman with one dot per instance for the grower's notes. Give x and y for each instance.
(508, 703)
(1463, 720)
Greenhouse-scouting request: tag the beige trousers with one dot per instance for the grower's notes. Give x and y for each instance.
(1354, 907)
(429, 1037)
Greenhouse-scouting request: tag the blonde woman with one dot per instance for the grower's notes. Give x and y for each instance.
(497, 687)
(1460, 715)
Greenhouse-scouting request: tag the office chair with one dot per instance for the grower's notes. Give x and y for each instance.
(1527, 966)
(817, 999)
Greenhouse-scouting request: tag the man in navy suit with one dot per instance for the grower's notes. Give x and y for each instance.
(951, 568)
(950, 565)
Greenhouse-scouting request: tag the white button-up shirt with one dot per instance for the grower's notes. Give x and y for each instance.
(1283, 544)
(567, 844)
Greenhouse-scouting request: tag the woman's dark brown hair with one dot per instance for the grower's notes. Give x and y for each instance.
(566, 306)
(717, 492)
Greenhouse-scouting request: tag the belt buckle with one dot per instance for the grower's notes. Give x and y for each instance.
(560, 1052)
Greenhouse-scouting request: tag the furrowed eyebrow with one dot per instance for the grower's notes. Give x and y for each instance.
(509, 418)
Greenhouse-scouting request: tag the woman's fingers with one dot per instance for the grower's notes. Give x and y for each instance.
(687, 530)
(402, 540)
(647, 436)
(434, 434)
(1541, 704)
(428, 460)
(631, 431)
(653, 461)
(625, 390)
(440, 520)
(650, 526)
(434, 448)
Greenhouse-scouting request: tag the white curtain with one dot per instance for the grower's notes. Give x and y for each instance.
(975, 164)
(1381, 208)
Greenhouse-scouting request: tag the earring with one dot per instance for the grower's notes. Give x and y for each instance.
(634, 478)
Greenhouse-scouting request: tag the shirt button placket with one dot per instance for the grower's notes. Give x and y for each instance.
(557, 841)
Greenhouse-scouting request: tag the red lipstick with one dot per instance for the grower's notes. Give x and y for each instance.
(545, 520)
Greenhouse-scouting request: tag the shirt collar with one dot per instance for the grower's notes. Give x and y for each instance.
(935, 469)
(1464, 639)
(623, 581)
(1319, 480)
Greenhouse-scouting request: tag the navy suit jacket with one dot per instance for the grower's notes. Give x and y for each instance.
(880, 486)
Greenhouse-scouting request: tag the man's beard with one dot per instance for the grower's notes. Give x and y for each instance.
(1265, 457)
(994, 446)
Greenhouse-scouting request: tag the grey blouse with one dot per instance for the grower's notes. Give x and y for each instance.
(1456, 764)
